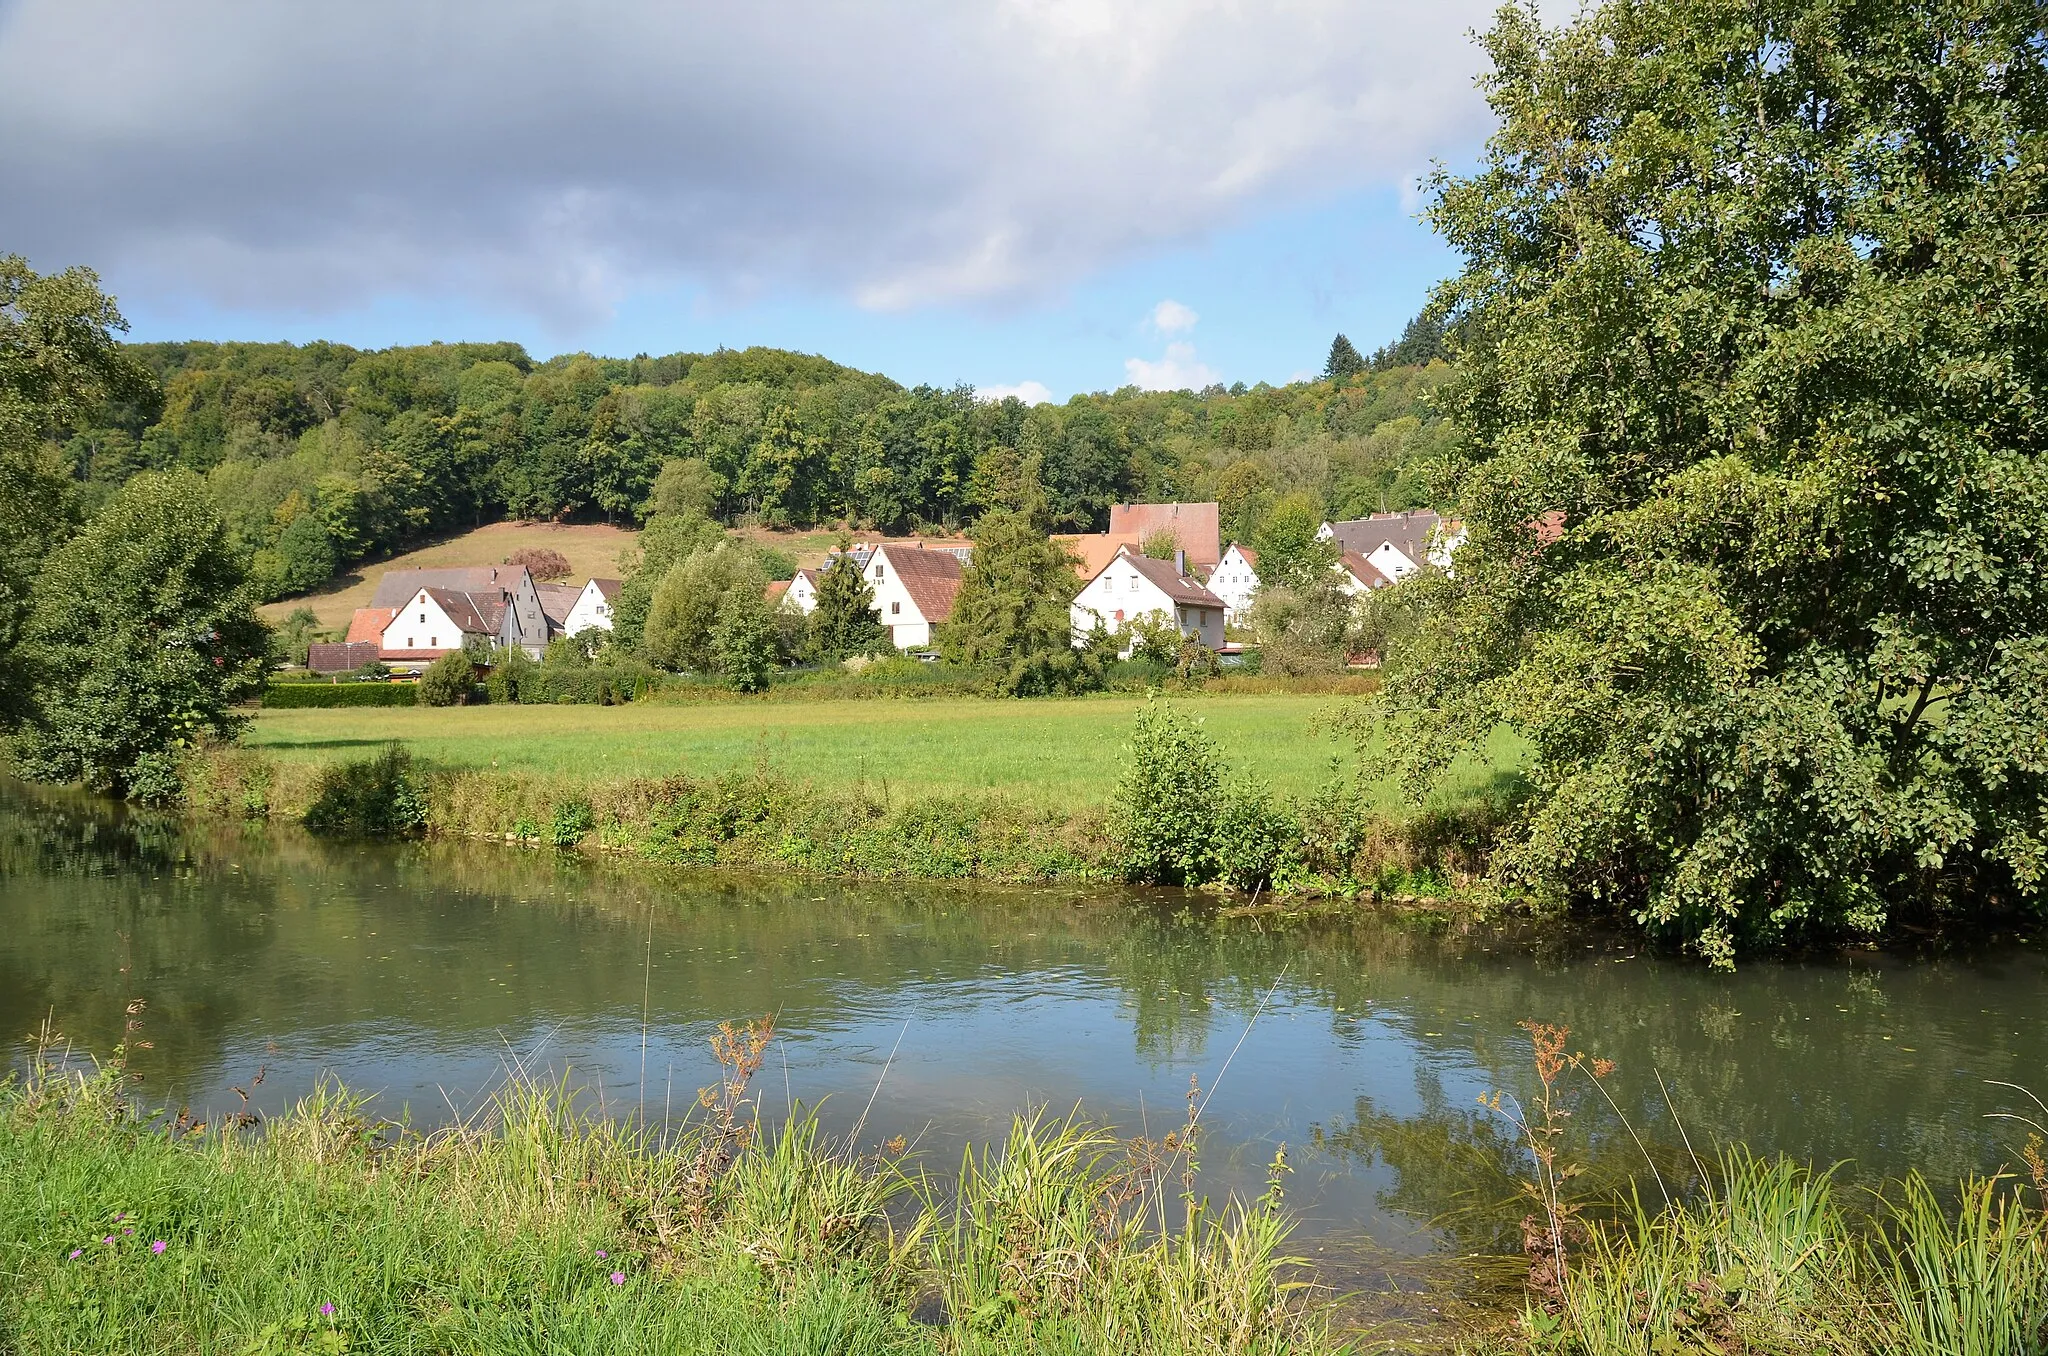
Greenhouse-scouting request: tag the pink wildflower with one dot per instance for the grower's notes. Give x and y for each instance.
(618, 1278)
(158, 1246)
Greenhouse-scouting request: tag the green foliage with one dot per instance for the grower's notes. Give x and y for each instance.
(377, 797)
(690, 600)
(1290, 554)
(514, 676)
(1344, 361)
(291, 640)
(667, 542)
(1253, 838)
(743, 641)
(302, 696)
(686, 488)
(448, 681)
(1012, 605)
(1310, 628)
(1162, 544)
(1165, 801)
(141, 642)
(843, 623)
(1421, 342)
(1767, 376)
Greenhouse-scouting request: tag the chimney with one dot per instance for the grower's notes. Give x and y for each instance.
(1180, 562)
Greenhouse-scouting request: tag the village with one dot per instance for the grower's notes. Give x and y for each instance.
(1157, 564)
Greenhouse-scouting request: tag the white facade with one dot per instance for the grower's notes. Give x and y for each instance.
(1391, 561)
(1126, 589)
(803, 592)
(896, 601)
(421, 626)
(1235, 581)
(592, 610)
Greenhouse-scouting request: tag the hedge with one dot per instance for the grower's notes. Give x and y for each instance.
(293, 695)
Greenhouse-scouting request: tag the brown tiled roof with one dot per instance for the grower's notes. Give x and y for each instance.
(368, 623)
(397, 586)
(1409, 533)
(777, 587)
(1093, 550)
(1170, 581)
(931, 578)
(606, 588)
(476, 614)
(1251, 557)
(1197, 526)
(1363, 570)
(556, 601)
(329, 657)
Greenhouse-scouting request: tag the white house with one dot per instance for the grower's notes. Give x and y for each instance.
(914, 591)
(1235, 579)
(434, 621)
(593, 608)
(506, 594)
(1133, 585)
(803, 592)
(1357, 575)
(1398, 544)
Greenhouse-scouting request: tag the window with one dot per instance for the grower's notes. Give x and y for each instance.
(895, 609)
(423, 619)
(433, 642)
(408, 643)
(878, 572)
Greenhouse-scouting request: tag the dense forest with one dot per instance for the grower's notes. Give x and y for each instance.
(321, 455)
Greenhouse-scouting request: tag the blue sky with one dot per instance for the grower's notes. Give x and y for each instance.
(1043, 195)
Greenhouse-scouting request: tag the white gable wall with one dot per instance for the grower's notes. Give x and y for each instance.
(422, 625)
(1235, 582)
(908, 627)
(590, 612)
(801, 595)
(1119, 595)
(1392, 562)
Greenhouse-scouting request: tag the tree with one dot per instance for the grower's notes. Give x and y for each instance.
(449, 680)
(141, 642)
(1290, 553)
(1013, 596)
(1421, 341)
(1160, 544)
(687, 605)
(290, 642)
(1344, 360)
(1306, 627)
(306, 557)
(688, 487)
(743, 641)
(844, 622)
(668, 541)
(1753, 464)
(542, 562)
(59, 361)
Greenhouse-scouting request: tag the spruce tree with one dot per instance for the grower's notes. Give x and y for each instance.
(1344, 361)
(844, 622)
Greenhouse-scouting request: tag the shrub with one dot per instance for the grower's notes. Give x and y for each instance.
(513, 676)
(378, 797)
(448, 680)
(541, 562)
(743, 642)
(1252, 838)
(1165, 801)
(295, 696)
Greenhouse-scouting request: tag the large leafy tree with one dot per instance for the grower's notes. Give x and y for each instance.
(844, 621)
(141, 642)
(1751, 349)
(58, 362)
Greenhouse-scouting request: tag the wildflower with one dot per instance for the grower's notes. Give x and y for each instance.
(129, 1230)
(76, 1253)
(327, 1311)
(618, 1278)
(108, 1239)
(158, 1246)
(602, 1254)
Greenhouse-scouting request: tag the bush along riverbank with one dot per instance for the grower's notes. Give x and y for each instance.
(542, 1226)
(1176, 817)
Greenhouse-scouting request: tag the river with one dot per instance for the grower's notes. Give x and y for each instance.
(423, 972)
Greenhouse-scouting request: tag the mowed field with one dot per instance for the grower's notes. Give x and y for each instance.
(591, 549)
(1047, 751)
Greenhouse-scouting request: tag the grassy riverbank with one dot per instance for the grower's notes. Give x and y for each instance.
(539, 1228)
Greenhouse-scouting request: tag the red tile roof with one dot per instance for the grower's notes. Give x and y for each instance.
(1168, 580)
(1197, 526)
(368, 623)
(1363, 570)
(931, 578)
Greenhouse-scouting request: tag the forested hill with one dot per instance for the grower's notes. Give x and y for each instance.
(323, 455)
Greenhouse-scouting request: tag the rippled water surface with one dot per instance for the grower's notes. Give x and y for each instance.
(420, 972)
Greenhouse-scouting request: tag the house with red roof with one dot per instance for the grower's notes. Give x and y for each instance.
(1133, 585)
(914, 590)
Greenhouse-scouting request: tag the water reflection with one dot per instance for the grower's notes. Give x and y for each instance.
(418, 971)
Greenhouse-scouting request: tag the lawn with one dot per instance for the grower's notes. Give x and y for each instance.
(1050, 752)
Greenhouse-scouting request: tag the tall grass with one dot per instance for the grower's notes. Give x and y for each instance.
(541, 1225)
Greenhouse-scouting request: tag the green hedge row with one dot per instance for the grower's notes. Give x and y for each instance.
(293, 695)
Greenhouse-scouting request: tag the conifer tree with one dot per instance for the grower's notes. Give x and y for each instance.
(1344, 361)
(844, 622)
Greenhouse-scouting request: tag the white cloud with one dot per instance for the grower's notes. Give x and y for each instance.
(556, 158)
(1179, 370)
(1170, 317)
(1030, 392)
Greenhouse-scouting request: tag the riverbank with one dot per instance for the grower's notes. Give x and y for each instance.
(541, 1225)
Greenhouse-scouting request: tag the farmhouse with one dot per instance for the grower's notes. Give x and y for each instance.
(803, 592)
(1235, 579)
(593, 608)
(1133, 585)
(1397, 544)
(502, 599)
(434, 621)
(914, 590)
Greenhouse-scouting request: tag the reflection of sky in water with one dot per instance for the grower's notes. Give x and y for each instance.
(420, 974)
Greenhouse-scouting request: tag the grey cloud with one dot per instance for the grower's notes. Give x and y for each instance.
(556, 156)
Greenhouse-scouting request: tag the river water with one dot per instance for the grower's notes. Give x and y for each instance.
(423, 972)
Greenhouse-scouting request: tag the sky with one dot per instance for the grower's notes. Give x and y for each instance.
(1035, 197)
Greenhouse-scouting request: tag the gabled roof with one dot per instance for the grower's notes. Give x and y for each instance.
(396, 587)
(1409, 533)
(1251, 557)
(1197, 526)
(606, 588)
(931, 578)
(477, 614)
(1363, 570)
(778, 587)
(1093, 550)
(368, 623)
(808, 576)
(1165, 578)
(557, 601)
